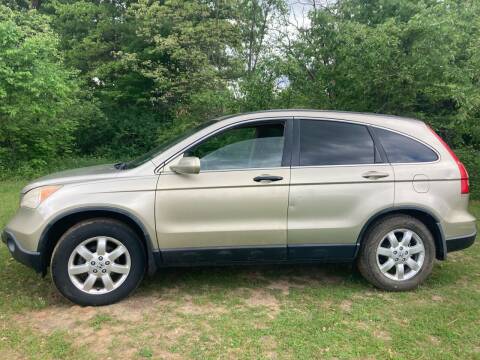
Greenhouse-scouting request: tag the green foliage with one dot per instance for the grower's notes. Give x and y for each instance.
(16, 4)
(471, 159)
(403, 57)
(183, 50)
(25, 170)
(36, 91)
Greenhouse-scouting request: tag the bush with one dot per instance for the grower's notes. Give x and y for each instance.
(30, 171)
(120, 132)
(36, 92)
(471, 159)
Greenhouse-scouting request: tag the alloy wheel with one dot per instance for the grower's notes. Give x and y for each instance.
(99, 265)
(400, 254)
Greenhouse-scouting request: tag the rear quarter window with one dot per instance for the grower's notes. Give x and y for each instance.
(402, 149)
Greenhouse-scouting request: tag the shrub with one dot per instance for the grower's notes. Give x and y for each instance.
(36, 92)
(471, 159)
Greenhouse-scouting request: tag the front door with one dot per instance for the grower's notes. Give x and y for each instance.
(339, 180)
(235, 209)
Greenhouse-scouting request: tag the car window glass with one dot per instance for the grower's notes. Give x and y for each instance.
(257, 146)
(335, 143)
(402, 149)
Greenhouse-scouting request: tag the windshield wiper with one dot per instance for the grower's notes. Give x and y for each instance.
(121, 166)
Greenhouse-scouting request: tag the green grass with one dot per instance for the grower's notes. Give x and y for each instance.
(245, 312)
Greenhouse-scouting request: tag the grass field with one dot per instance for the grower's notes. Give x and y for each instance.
(266, 312)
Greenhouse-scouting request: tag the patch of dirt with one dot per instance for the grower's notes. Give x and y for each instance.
(65, 317)
(386, 296)
(134, 308)
(11, 355)
(269, 346)
(284, 286)
(382, 335)
(172, 335)
(100, 340)
(165, 355)
(56, 317)
(191, 308)
(327, 305)
(346, 305)
(364, 295)
(233, 353)
(79, 321)
(260, 297)
(434, 340)
(361, 324)
(437, 298)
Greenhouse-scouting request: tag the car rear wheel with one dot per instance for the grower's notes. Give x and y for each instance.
(397, 253)
(98, 262)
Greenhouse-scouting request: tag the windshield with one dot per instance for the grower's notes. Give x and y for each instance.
(165, 145)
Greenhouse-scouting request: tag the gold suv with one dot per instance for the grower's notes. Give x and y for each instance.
(289, 186)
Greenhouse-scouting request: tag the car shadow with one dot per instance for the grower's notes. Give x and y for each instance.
(236, 276)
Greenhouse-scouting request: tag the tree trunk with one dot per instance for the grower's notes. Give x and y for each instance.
(36, 4)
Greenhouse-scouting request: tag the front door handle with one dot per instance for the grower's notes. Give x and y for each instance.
(374, 175)
(267, 178)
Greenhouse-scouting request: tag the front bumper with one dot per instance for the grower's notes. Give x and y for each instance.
(32, 259)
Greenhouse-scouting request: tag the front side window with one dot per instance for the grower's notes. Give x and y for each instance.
(250, 146)
(335, 143)
(402, 149)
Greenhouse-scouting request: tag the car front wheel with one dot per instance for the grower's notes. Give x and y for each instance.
(98, 262)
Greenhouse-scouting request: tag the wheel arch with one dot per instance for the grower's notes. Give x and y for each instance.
(425, 216)
(61, 223)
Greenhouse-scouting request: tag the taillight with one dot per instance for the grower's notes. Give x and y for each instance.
(464, 182)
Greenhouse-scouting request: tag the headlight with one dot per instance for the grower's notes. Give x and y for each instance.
(36, 196)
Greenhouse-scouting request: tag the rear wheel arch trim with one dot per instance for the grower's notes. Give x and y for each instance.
(437, 233)
(44, 242)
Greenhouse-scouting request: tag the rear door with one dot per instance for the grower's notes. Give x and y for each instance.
(339, 179)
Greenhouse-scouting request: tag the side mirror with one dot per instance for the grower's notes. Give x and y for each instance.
(187, 165)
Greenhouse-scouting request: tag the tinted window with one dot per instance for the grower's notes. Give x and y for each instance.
(335, 143)
(402, 149)
(257, 146)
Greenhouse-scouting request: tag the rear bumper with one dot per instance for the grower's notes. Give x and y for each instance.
(460, 242)
(31, 259)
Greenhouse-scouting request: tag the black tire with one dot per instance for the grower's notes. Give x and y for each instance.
(367, 260)
(90, 229)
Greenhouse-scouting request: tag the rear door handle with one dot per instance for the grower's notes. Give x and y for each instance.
(267, 178)
(374, 175)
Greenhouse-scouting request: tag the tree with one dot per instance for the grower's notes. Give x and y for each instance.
(256, 17)
(36, 91)
(183, 49)
(401, 57)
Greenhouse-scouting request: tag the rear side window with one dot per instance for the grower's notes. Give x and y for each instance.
(334, 143)
(402, 149)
